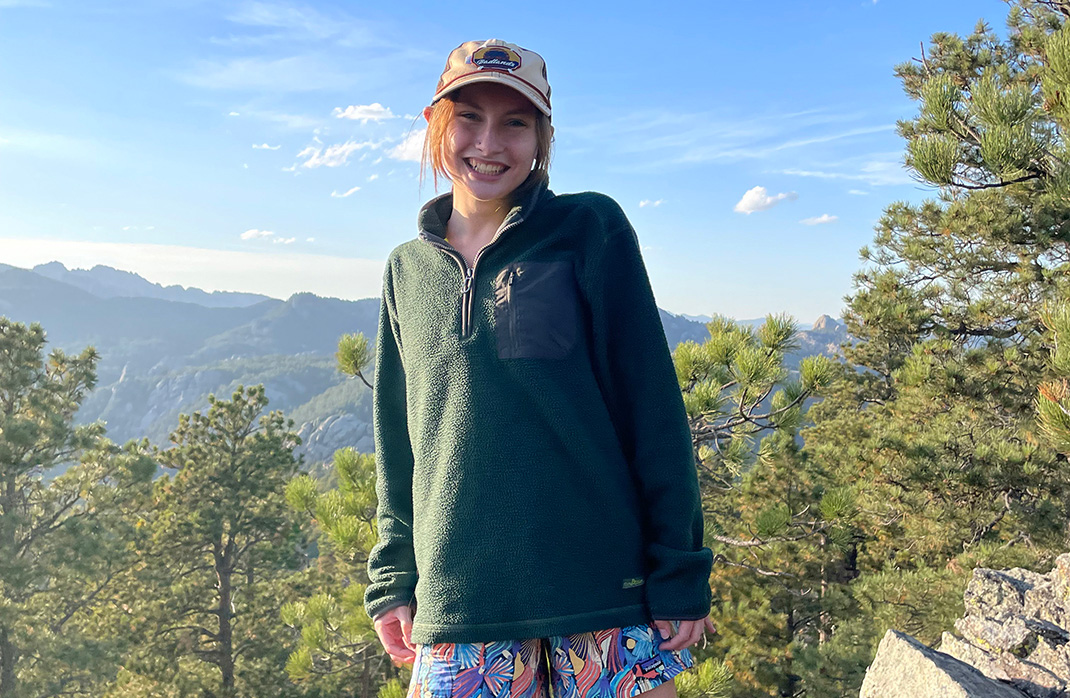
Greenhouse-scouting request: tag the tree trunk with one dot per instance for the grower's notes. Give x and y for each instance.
(224, 572)
(8, 651)
(7, 665)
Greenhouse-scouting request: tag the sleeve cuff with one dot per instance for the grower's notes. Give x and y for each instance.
(678, 586)
(381, 596)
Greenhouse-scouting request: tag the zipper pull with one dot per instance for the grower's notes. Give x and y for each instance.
(469, 271)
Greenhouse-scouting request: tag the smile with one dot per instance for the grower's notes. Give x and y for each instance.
(485, 168)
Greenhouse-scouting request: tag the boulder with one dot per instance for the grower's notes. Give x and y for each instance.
(905, 668)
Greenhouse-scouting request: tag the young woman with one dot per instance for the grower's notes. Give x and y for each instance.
(539, 508)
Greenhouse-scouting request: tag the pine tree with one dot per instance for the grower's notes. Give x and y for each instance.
(219, 551)
(62, 493)
(931, 423)
(771, 520)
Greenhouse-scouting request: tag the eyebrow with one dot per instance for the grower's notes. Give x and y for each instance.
(508, 113)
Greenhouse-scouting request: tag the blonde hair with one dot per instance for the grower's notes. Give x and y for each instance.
(434, 151)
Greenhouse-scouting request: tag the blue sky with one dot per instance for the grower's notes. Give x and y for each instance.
(268, 146)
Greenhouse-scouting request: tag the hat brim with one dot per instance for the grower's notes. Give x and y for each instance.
(501, 78)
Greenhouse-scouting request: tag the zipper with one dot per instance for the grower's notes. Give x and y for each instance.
(512, 309)
(468, 273)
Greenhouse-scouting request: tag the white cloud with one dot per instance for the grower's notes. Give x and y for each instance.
(373, 178)
(818, 220)
(310, 239)
(648, 202)
(342, 196)
(377, 160)
(334, 155)
(876, 171)
(265, 146)
(234, 113)
(364, 112)
(284, 241)
(275, 272)
(245, 165)
(411, 148)
(253, 233)
(857, 192)
(758, 199)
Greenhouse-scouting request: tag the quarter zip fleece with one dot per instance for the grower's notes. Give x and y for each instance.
(535, 471)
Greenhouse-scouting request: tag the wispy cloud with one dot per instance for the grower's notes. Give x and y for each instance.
(648, 202)
(364, 112)
(373, 177)
(659, 138)
(342, 196)
(290, 74)
(234, 113)
(758, 199)
(857, 192)
(876, 169)
(253, 234)
(334, 155)
(265, 146)
(819, 220)
(411, 148)
(284, 241)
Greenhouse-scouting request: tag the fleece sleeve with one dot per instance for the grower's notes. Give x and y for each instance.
(391, 565)
(638, 380)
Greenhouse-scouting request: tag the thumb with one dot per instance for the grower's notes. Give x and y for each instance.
(405, 620)
(664, 628)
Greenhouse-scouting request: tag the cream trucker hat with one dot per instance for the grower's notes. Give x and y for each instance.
(497, 61)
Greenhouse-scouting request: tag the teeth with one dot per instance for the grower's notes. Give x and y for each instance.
(487, 169)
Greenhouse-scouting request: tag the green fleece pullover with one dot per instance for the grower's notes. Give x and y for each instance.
(535, 467)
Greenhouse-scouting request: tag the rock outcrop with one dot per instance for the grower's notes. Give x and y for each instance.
(1013, 641)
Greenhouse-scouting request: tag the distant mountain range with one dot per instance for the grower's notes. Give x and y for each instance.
(165, 349)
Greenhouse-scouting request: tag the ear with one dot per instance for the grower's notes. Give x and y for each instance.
(427, 114)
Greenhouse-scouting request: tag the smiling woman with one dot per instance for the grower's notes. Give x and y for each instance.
(538, 502)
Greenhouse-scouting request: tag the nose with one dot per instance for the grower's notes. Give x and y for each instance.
(488, 140)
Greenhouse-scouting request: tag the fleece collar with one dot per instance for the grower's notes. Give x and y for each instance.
(436, 213)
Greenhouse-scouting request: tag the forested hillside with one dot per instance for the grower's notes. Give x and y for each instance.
(160, 357)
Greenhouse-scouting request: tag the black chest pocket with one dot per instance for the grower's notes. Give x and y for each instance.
(536, 311)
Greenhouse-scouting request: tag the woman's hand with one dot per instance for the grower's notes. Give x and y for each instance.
(688, 633)
(394, 628)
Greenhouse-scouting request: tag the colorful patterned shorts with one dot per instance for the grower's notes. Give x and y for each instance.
(613, 663)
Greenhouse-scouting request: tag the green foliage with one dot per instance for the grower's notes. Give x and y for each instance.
(708, 679)
(218, 555)
(926, 440)
(63, 490)
(336, 636)
(354, 354)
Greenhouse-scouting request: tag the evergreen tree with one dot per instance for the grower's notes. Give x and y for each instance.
(931, 422)
(62, 492)
(772, 522)
(218, 553)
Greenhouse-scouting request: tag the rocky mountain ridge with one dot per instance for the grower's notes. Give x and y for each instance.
(1012, 642)
(162, 357)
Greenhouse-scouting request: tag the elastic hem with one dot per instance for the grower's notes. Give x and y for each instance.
(430, 633)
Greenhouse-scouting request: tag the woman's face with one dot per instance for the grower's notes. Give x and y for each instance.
(490, 142)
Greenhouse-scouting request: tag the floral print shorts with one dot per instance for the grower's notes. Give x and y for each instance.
(613, 663)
